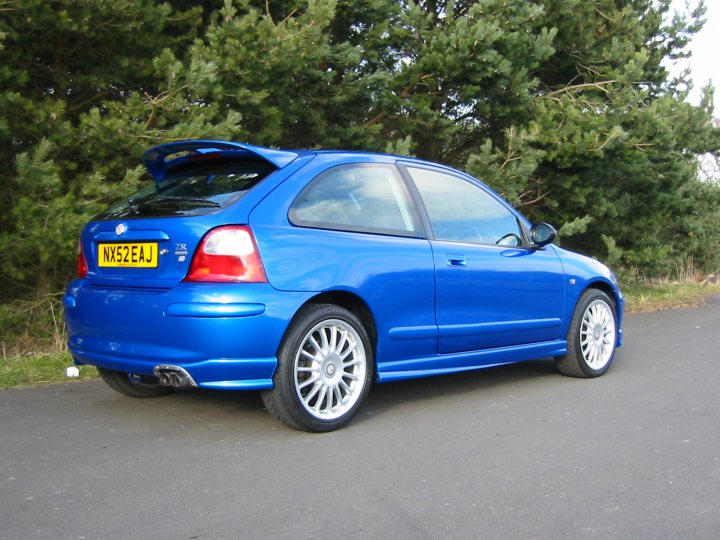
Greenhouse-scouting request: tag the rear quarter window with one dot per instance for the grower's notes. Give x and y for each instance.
(357, 197)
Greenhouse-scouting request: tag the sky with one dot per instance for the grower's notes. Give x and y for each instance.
(705, 48)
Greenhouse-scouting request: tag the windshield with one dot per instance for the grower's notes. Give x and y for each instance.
(192, 190)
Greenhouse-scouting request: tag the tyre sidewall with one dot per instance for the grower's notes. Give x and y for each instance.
(284, 378)
(586, 299)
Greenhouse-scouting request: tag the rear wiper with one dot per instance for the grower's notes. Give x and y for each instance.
(179, 198)
(133, 205)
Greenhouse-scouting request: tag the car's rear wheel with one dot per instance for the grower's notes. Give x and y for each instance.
(592, 337)
(133, 385)
(325, 367)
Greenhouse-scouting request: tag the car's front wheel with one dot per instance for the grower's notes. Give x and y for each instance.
(325, 368)
(133, 385)
(592, 337)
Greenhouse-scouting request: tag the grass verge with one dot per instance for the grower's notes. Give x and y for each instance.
(39, 369)
(642, 297)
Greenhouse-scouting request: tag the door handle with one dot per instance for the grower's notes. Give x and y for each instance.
(456, 259)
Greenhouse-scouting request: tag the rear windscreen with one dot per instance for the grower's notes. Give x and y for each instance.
(192, 189)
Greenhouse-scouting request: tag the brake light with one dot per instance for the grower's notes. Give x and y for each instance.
(82, 267)
(227, 254)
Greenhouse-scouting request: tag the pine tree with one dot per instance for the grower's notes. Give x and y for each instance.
(564, 106)
(65, 67)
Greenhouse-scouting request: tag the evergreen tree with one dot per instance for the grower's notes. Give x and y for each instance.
(608, 150)
(564, 106)
(65, 67)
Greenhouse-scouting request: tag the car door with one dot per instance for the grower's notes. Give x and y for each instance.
(352, 230)
(492, 289)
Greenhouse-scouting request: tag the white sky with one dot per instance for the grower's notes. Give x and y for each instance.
(705, 47)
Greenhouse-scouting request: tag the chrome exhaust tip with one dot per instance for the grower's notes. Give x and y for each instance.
(173, 376)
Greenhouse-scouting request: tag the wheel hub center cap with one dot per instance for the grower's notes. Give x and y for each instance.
(330, 369)
(597, 333)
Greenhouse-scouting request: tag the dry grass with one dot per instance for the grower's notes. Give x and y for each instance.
(39, 369)
(641, 297)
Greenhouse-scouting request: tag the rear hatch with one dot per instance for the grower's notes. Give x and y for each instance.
(148, 239)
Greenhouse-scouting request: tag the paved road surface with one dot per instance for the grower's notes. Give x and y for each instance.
(512, 452)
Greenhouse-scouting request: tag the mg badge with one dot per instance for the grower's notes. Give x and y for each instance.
(120, 229)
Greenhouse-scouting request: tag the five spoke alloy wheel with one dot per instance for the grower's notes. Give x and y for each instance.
(592, 337)
(325, 368)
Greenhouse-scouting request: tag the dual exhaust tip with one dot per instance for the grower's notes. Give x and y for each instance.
(173, 376)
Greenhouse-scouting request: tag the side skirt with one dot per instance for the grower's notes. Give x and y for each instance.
(441, 364)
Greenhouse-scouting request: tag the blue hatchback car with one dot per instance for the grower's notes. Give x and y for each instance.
(309, 275)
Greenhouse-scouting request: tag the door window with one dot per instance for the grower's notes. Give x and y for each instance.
(464, 212)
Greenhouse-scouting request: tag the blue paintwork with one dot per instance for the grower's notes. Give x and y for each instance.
(473, 318)
(133, 329)
(435, 307)
(212, 309)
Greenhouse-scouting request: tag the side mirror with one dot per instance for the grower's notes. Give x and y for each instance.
(542, 234)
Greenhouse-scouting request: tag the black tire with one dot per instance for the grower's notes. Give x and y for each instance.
(592, 337)
(325, 368)
(133, 385)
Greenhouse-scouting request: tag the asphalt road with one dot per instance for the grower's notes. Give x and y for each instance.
(512, 452)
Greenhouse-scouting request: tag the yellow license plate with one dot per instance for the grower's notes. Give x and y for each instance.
(134, 255)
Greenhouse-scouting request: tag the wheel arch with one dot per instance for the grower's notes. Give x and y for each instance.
(354, 304)
(607, 289)
(618, 303)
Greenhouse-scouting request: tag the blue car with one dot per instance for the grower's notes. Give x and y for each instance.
(309, 275)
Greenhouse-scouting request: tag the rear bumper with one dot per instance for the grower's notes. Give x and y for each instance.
(224, 336)
(228, 374)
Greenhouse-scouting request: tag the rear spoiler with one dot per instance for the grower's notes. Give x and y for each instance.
(157, 163)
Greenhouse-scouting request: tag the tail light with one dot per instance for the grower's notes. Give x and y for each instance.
(227, 254)
(82, 267)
